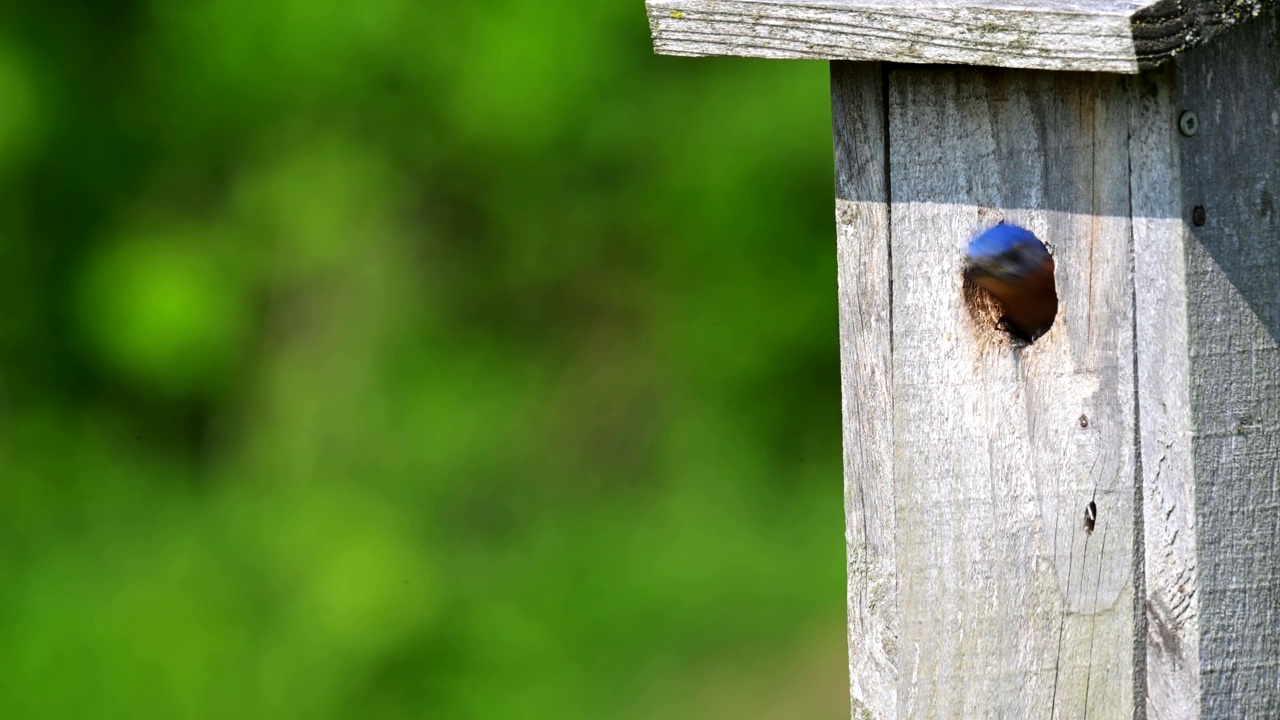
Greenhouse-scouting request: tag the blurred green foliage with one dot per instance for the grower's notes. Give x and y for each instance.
(412, 360)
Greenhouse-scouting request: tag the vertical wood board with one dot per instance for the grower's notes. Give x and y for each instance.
(1169, 663)
(1008, 607)
(862, 236)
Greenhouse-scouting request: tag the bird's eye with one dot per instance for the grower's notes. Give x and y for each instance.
(1022, 253)
(1026, 259)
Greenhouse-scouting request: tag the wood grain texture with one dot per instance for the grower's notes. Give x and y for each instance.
(862, 232)
(937, 32)
(1008, 607)
(1169, 604)
(1231, 168)
(1122, 36)
(1164, 29)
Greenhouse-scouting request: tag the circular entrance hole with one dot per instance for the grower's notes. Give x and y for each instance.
(1009, 278)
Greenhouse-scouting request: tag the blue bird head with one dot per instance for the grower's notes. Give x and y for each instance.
(1006, 252)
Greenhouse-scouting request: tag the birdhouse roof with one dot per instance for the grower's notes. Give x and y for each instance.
(1084, 35)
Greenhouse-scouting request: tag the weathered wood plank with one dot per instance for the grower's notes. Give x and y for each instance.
(1169, 606)
(940, 32)
(862, 237)
(1122, 36)
(1164, 29)
(1231, 169)
(1008, 607)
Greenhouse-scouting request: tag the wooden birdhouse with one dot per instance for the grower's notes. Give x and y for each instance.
(1086, 525)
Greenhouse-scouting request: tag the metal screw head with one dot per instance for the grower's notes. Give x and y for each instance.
(1188, 123)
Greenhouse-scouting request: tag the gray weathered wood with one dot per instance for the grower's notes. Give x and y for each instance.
(1123, 36)
(1169, 608)
(1008, 607)
(1231, 168)
(862, 242)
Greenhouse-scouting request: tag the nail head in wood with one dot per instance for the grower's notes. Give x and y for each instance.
(1188, 123)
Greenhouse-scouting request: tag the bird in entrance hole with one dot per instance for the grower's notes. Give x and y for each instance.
(1016, 268)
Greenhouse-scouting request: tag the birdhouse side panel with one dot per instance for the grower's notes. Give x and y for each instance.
(1231, 192)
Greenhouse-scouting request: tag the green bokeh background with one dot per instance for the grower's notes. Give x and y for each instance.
(407, 359)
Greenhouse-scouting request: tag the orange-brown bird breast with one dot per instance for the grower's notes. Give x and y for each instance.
(1029, 305)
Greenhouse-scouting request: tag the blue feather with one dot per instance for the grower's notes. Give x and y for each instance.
(1006, 251)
